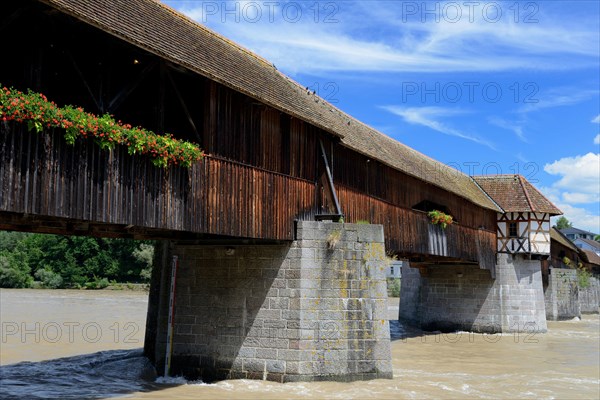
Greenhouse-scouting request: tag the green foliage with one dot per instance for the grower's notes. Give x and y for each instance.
(362, 222)
(597, 238)
(439, 218)
(145, 254)
(563, 223)
(393, 287)
(35, 109)
(14, 272)
(73, 262)
(583, 278)
(48, 279)
(97, 283)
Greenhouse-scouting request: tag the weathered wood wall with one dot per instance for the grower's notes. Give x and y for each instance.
(408, 231)
(40, 174)
(356, 171)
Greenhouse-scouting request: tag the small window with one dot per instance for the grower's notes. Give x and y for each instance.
(512, 230)
(392, 270)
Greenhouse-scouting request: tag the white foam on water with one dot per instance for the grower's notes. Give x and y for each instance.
(177, 380)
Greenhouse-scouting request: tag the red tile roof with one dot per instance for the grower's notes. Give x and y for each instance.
(515, 194)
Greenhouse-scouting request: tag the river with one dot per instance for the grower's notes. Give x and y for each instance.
(87, 344)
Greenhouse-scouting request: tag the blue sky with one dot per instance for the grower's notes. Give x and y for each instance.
(486, 87)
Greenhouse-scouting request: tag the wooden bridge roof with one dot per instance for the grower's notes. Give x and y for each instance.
(169, 34)
(515, 194)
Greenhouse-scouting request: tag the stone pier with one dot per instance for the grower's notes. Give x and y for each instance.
(562, 294)
(465, 297)
(312, 309)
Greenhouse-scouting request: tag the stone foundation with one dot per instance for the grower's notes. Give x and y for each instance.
(313, 309)
(589, 297)
(562, 294)
(465, 297)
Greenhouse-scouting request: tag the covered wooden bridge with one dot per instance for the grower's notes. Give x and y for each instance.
(277, 157)
(275, 152)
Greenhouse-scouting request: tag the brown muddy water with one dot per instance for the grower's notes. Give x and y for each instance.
(87, 344)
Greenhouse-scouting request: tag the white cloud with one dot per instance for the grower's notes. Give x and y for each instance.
(580, 178)
(580, 217)
(596, 120)
(558, 97)
(597, 139)
(375, 37)
(514, 127)
(428, 116)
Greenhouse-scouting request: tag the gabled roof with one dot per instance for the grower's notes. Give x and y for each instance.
(576, 230)
(590, 257)
(169, 34)
(592, 243)
(515, 194)
(557, 236)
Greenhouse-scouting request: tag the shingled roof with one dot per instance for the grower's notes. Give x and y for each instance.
(169, 34)
(515, 194)
(590, 257)
(557, 236)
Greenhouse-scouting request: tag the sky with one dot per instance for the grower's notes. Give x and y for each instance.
(485, 87)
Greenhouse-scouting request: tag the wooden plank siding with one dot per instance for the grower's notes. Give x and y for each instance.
(356, 171)
(408, 231)
(41, 175)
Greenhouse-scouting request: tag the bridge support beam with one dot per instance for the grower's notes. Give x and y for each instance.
(312, 309)
(465, 297)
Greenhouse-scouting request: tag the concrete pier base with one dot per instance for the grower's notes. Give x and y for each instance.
(465, 297)
(312, 309)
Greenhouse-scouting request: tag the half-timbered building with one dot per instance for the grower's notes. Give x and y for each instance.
(524, 222)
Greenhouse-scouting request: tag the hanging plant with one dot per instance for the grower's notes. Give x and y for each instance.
(439, 218)
(39, 113)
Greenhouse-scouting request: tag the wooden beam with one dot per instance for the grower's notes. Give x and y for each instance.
(127, 90)
(183, 105)
(82, 77)
(336, 202)
(7, 20)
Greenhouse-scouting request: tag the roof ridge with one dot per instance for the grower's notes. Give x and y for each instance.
(486, 193)
(525, 192)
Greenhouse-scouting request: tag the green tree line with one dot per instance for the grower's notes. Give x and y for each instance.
(54, 261)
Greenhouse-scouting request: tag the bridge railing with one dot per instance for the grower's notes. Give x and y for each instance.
(410, 232)
(42, 176)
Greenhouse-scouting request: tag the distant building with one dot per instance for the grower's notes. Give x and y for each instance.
(588, 244)
(394, 269)
(574, 233)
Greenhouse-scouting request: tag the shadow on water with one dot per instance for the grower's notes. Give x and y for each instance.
(90, 376)
(400, 330)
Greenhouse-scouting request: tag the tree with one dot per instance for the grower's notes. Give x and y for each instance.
(563, 223)
(71, 261)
